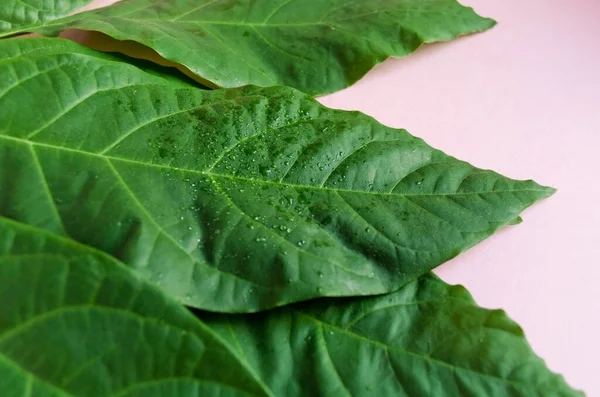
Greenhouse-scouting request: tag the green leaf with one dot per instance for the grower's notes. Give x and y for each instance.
(79, 323)
(317, 46)
(232, 200)
(75, 322)
(18, 15)
(427, 339)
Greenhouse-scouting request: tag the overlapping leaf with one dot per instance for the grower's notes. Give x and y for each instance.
(231, 200)
(16, 15)
(317, 46)
(80, 324)
(427, 339)
(75, 322)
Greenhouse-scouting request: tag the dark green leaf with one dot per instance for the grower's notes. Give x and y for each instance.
(317, 46)
(232, 200)
(75, 322)
(17, 15)
(427, 339)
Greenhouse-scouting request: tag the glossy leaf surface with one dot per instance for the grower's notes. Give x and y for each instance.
(75, 322)
(317, 46)
(427, 339)
(232, 200)
(16, 15)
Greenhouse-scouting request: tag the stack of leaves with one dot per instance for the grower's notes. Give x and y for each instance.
(158, 238)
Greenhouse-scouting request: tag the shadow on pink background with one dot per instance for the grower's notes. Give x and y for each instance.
(522, 99)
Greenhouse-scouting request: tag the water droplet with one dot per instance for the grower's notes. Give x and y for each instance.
(320, 274)
(301, 243)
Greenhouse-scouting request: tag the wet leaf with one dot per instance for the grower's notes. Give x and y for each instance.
(242, 199)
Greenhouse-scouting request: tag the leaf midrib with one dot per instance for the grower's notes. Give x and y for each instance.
(322, 324)
(78, 17)
(263, 181)
(322, 22)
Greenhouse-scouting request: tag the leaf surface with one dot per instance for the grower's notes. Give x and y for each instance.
(16, 15)
(79, 323)
(232, 200)
(427, 339)
(75, 322)
(317, 46)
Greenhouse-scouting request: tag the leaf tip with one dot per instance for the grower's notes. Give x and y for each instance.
(548, 191)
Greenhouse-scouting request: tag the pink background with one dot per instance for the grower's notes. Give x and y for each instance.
(522, 99)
